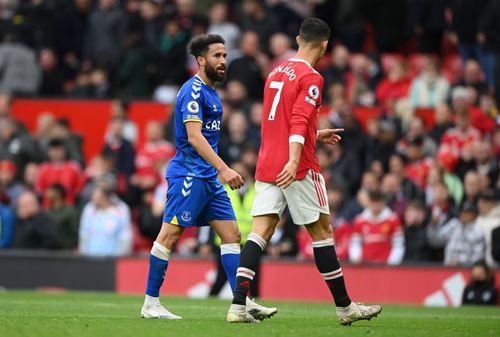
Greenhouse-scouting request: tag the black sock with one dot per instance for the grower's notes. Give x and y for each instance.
(329, 266)
(249, 260)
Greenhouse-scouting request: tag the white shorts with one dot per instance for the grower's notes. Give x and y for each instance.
(306, 199)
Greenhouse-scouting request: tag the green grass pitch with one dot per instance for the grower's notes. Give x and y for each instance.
(107, 315)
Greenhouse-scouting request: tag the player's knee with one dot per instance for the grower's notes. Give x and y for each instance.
(231, 237)
(169, 235)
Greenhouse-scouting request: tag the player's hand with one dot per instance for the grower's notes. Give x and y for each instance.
(230, 177)
(287, 175)
(329, 136)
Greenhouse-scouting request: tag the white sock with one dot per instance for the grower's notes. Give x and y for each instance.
(237, 308)
(150, 300)
(347, 309)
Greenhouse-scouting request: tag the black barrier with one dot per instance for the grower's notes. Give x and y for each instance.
(42, 269)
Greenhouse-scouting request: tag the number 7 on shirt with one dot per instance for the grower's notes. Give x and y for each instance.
(276, 100)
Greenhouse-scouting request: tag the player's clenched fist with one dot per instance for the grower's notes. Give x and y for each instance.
(230, 177)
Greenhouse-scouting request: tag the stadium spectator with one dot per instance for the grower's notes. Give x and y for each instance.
(151, 156)
(7, 222)
(230, 147)
(120, 108)
(393, 192)
(417, 249)
(443, 122)
(464, 26)
(62, 215)
(257, 18)
(394, 87)
(377, 234)
(236, 98)
(219, 24)
(416, 130)
(462, 136)
(343, 168)
(133, 78)
(397, 167)
(59, 169)
(281, 50)
(350, 23)
(473, 78)
(466, 243)
(481, 288)
(121, 151)
(390, 21)
(105, 35)
(380, 142)
(430, 23)
(484, 161)
(98, 172)
(489, 219)
(30, 176)
(250, 68)
(19, 71)
(9, 186)
(172, 46)
(442, 220)
(362, 81)
(72, 141)
(488, 39)
(191, 21)
(337, 69)
(105, 226)
(429, 88)
(152, 21)
(418, 166)
(70, 36)
(471, 187)
(446, 165)
(52, 83)
(44, 126)
(33, 229)
(369, 183)
(17, 146)
(151, 209)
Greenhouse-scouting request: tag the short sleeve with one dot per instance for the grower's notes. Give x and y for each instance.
(191, 105)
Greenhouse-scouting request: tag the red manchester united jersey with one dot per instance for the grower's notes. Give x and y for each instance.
(292, 97)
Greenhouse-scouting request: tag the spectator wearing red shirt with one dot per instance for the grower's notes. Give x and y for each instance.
(58, 169)
(377, 234)
(418, 166)
(394, 87)
(152, 155)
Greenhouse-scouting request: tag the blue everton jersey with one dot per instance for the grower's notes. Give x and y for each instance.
(196, 102)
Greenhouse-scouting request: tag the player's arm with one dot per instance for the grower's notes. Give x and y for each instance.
(306, 104)
(203, 148)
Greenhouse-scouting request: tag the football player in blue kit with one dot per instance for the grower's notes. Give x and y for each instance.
(195, 176)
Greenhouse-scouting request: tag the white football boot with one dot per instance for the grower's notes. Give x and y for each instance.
(157, 311)
(258, 311)
(356, 312)
(238, 314)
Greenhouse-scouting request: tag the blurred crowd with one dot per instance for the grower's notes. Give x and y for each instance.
(415, 84)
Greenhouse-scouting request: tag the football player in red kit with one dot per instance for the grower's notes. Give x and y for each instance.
(288, 174)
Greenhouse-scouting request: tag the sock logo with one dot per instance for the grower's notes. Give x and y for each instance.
(245, 284)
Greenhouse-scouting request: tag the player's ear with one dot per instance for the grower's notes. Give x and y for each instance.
(201, 60)
(297, 39)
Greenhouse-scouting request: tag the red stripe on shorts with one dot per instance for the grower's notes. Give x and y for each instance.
(317, 185)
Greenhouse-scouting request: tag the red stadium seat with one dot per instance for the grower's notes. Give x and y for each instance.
(364, 115)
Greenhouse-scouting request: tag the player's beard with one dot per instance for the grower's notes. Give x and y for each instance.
(213, 75)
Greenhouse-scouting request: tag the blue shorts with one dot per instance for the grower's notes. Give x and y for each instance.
(195, 202)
